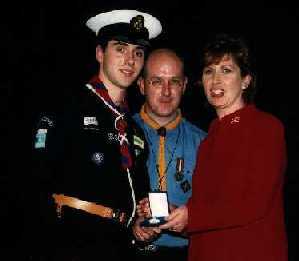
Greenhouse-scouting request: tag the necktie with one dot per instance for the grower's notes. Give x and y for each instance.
(161, 131)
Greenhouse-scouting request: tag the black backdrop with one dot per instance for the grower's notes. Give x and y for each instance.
(45, 49)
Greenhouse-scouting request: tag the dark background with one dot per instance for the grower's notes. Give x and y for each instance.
(46, 50)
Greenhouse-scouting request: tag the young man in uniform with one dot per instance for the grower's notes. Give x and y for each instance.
(95, 153)
(173, 143)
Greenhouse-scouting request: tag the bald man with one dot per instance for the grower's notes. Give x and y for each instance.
(173, 143)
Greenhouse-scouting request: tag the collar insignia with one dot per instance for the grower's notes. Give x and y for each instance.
(235, 119)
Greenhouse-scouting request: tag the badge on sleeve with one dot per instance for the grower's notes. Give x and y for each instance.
(40, 139)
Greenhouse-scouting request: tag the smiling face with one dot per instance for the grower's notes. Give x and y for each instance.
(120, 63)
(224, 85)
(163, 85)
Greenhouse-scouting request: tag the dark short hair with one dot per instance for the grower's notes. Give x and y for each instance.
(104, 43)
(237, 48)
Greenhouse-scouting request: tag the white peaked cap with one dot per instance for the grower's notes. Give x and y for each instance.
(151, 23)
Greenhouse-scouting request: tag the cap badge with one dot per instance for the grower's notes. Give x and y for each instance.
(137, 23)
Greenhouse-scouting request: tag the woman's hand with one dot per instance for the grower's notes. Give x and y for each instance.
(177, 220)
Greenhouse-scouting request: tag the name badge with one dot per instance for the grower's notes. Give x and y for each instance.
(90, 121)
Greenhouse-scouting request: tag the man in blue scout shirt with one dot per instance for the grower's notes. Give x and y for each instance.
(95, 152)
(173, 143)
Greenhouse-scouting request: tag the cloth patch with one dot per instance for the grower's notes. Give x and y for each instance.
(90, 121)
(112, 137)
(40, 138)
(137, 152)
(98, 158)
(138, 142)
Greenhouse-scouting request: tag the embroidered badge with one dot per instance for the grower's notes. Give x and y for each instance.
(47, 121)
(138, 141)
(98, 158)
(137, 152)
(112, 136)
(90, 121)
(40, 139)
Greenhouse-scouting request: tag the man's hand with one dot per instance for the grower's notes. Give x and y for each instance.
(144, 233)
(143, 208)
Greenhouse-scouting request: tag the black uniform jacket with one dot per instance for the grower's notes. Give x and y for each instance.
(81, 155)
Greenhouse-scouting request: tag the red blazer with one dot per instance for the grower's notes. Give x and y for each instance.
(236, 210)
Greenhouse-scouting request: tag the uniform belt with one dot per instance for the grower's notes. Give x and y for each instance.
(89, 207)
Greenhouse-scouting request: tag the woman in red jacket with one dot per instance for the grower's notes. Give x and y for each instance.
(236, 210)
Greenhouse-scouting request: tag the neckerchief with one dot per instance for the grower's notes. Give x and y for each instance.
(120, 124)
(161, 166)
